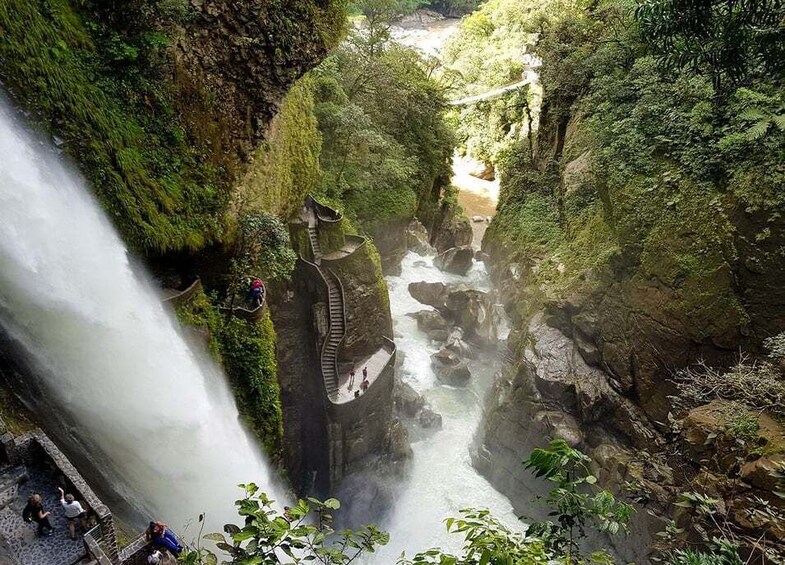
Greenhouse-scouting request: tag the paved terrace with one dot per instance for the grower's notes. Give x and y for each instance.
(19, 537)
(375, 363)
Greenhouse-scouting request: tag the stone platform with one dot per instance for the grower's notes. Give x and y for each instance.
(19, 537)
(376, 363)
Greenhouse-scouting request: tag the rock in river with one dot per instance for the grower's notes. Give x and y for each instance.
(456, 260)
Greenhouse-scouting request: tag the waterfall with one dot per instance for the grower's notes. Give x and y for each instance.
(156, 418)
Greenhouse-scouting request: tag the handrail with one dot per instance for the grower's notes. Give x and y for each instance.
(318, 207)
(343, 313)
(185, 294)
(330, 327)
(247, 313)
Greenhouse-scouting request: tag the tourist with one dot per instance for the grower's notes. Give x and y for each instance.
(159, 534)
(351, 379)
(257, 292)
(365, 384)
(73, 512)
(34, 512)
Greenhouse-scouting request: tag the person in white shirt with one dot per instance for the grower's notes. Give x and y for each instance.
(73, 511)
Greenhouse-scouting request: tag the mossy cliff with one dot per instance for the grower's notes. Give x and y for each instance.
(161, 101)
(641, 233)
(162, 104)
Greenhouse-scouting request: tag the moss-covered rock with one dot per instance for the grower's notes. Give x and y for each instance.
(159, 103)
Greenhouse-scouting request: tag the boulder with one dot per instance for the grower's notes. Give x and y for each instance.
(430, 294)
(428, 320)
(473, 310)
(457, 260)
(456, 344)
(417, 239)
(478, 219)
(449, 368)
(407, 401)
(766, 472)
(454, 375)
(429, 419)
(438, 335)
(397, 442)
(454, 231)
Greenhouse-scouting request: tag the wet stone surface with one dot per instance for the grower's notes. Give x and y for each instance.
(20, 538)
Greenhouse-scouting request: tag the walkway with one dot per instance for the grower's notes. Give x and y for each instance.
(19, 537)
(335, 383)
(376, 363)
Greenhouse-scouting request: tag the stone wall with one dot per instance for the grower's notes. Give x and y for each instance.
(367, 303)
(359, 428)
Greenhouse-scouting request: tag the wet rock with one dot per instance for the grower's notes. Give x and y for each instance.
(430, 294)
(456, 344)
(454, 375)
(438, 335)
(454, 230)
(397, 442)
(407, 401)
(417, 239)
(478, 219)
(449, 368)
(429, 419)
(560, 426)
(457, 260)
(428, 320)
(473, 310)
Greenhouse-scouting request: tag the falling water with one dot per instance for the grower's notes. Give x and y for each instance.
(158, 420)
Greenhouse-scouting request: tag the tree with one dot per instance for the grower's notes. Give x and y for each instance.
(730, 40)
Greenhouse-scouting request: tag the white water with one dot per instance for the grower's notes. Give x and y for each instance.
(442, 480)
(107, 352)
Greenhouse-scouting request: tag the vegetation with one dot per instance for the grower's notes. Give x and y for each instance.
(386, 149)
(760, 386)
(246, 350)
(637, 162)
(100, 77)
(304, 533)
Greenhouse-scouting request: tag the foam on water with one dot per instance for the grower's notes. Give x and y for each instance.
(442, 480)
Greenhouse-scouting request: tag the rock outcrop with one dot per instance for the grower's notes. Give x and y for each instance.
(457, 260)
(451, 229)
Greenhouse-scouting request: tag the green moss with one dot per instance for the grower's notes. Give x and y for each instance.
(286, 168)
(117, 122)
(248, 352)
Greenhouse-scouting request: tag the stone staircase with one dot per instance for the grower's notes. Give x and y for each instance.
(335, 334)
(313, 235)
(329, 354)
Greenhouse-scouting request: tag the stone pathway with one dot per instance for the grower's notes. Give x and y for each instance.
(375, 363)
(19, 537)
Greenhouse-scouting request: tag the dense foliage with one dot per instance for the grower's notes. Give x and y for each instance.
(303, 533)
(386, 148)
(655, 165)
(100, 76)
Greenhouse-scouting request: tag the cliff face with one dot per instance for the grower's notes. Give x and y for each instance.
(160, 103)
(629, 244)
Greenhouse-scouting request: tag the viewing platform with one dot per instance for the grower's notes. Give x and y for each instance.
(244, 308)
(376, 365)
